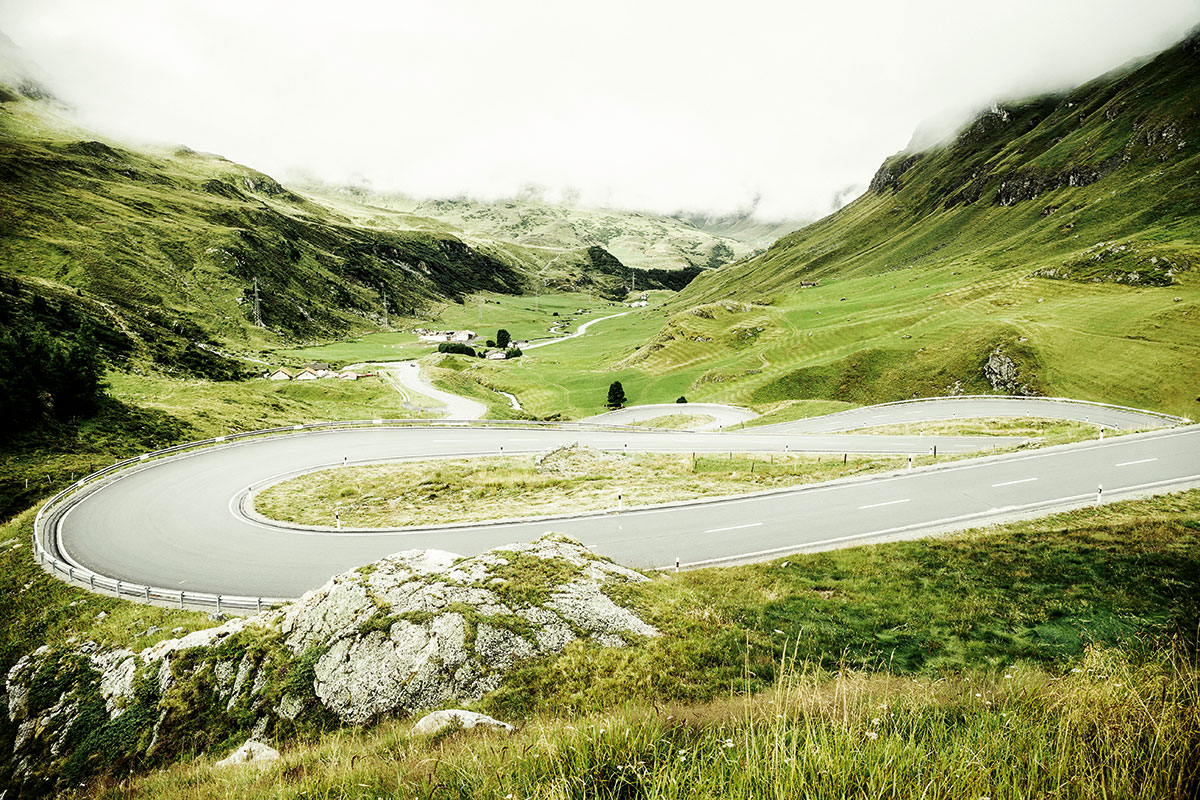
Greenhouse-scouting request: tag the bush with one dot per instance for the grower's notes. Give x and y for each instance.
(513, 352)
(681, 399)
(458, 348)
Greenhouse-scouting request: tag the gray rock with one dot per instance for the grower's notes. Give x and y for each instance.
(116, 668)
(438, 721)
(251, 752)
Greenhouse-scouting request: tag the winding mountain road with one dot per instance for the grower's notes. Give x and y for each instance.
(180, 523)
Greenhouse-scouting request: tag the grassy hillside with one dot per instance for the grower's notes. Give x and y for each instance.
(176, 240)
(1062, 230)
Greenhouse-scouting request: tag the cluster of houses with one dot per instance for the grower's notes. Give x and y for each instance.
(435, 337)
(313, 372)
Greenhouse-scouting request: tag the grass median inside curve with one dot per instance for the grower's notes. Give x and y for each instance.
(576, 480)
(570, 479)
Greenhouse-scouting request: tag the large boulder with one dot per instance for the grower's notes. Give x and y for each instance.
(414, 631)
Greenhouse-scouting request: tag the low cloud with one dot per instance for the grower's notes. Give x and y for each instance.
(660, 106)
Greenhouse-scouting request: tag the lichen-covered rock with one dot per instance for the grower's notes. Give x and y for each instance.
(116, 668)
(412, 631)
(343, 604)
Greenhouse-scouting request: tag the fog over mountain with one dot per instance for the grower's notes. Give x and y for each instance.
(666, 106)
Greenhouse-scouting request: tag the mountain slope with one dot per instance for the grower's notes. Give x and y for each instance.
(1048, 182)
(1059, 235)
(178, 240)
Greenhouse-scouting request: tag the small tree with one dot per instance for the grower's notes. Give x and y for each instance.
(681, 399)
(616, 395)
(512, 352)
(502, 338)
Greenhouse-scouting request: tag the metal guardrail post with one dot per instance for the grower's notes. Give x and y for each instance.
(259, 605)
(218, 604)
(118, 588)
(181, 601)
(147, 595)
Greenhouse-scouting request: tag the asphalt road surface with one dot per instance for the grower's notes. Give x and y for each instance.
(977, 408)
(722, 415)
(179, 523)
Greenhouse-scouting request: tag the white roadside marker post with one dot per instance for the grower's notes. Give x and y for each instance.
(337, 517)
(677, 563)
(1099, 494)
(910, 462)
(620, 502)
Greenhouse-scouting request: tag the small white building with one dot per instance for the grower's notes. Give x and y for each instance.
(434, 337)
(308, 374)
(462, 336)
(281, 374)
(347, 376)
(497, 355)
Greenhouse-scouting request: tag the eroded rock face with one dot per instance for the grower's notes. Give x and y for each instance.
(415, 630)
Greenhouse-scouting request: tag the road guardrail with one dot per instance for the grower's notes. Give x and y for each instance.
(59, 564)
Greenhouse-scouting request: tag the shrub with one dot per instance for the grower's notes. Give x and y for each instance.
(457, 348)
(513, 352)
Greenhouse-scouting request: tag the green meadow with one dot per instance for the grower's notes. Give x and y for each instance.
(876, 338)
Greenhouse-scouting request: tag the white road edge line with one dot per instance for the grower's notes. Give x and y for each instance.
(734, 527)
(888, 503)
(1012, 483)
(1131, 463)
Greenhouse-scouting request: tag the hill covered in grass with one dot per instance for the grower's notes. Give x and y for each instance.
(1059, 236)
(179, 238)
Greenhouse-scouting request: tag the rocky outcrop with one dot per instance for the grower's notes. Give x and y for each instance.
(889, 174)
(413, 631)
(1002, 373)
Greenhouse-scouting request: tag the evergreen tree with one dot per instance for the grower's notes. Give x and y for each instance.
(616, 395)
(502, 338)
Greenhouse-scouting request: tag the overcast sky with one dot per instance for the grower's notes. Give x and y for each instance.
(642, 104)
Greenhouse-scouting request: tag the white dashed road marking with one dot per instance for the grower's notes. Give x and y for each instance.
(734, 527)
(1010, 483)
(888, 503)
